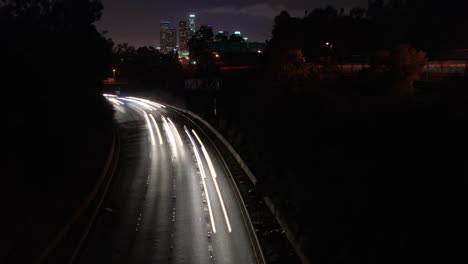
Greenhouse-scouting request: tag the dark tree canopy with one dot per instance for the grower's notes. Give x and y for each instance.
(200, 49)
(427, 25)
(54, 42)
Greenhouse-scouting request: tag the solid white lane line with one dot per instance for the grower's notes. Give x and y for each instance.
(213, 175)
(203, 176)
(168, 129)
(150, 129)
(176, 132)
(157, 129)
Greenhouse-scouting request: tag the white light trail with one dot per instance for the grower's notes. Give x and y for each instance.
(137, 108)
(202, 172)
(145, 105)
(109, 95)
(150, 130)
(115, 101)
(157, 129)
(176, 132)
(169, 131)
(148, 102)
(213, 175)
(205, 153)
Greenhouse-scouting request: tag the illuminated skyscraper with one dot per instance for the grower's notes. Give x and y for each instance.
(168, 37)
(184, 36)
(192, 23)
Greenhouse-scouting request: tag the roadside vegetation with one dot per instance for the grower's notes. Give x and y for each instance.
(59, 127)
(368, 167)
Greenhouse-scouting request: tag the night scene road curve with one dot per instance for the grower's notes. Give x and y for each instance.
(172, 200)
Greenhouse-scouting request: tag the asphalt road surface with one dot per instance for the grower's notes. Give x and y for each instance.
(171, 201)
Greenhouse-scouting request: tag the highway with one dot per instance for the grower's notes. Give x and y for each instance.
(172, 200)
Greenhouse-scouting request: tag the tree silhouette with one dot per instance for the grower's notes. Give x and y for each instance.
(200, 49)
(294, 67)
(407, 63)
(56, 41)
(221, 37)
(236, 38)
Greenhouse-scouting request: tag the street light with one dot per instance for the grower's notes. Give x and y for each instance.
(113, 72)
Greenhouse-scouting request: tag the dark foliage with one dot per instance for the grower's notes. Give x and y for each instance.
(201, 52)
(426, 25)
(59, 125)
(147, 66)
(363, 176)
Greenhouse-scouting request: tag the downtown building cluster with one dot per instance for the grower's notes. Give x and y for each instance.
(168, 35)
(176, 40)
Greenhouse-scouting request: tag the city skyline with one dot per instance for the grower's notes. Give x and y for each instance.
(137, 23)
(172, 39)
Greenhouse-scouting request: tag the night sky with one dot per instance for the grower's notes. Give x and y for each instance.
(137, 21)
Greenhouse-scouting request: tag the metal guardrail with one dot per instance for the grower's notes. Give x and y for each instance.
(267, 200)
(225, 142)
(245, 215)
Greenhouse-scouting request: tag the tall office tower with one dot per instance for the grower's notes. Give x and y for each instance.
(163, 26)
(171, 34)
(192, 23)
(184, 36)
(168, 37)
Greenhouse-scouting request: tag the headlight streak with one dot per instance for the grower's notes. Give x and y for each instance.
(148, 102)
(214, 176)
(109, 95)
(113, 100)
(203, 176)
(150, 130)
(116, 104)
(168, 129)
(176, 132)
(157, 129)
(145, 105)
(133, 106)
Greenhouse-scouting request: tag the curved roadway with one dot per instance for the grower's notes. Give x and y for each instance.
(171, 201)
